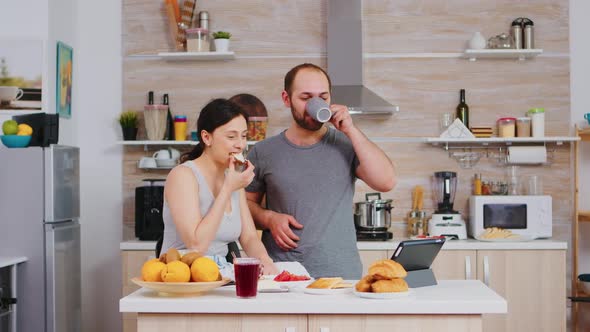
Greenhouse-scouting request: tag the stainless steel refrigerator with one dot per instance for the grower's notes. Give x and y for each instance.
(39, 219)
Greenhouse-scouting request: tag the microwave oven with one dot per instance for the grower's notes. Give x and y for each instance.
(529, 216)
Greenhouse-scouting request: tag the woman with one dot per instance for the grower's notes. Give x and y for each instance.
(204, 200)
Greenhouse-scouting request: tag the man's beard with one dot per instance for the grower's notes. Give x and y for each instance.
(306, 122)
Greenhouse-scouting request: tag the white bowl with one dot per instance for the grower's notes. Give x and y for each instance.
(585, 285)
(166, 162)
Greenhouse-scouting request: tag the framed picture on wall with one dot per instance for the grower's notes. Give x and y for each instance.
(21, 82)
(64, 80)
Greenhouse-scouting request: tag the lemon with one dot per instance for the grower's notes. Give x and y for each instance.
(10, 127)
(204, 269)
(176, 271)
(24, 130)
(151, 270)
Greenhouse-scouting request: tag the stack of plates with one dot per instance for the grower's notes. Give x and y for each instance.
(482, 132)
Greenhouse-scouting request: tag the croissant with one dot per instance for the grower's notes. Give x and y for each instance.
(387, 269)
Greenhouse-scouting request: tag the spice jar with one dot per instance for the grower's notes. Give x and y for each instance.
(506, 127)
(537, 116)
(197, 40)
(180, 126)
(523, 127)
(257, 128)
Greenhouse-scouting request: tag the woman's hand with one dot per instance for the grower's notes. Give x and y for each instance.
(235, 180)
(268, 267)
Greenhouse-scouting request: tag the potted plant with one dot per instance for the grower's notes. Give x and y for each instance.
(128, 122)
(221, 40)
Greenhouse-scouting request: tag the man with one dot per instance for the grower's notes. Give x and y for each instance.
(308, 173)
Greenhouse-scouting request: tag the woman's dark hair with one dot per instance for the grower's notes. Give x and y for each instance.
(290, 76)
(214, 115)
(251, 105)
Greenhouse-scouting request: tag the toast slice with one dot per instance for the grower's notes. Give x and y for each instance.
(325, 283)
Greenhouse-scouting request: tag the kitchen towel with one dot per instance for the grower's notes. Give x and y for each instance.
(527, 155)
(457, 130)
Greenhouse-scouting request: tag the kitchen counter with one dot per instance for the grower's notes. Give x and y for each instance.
(9, 261)
(452, 305)
(469, 244)
(448, 297)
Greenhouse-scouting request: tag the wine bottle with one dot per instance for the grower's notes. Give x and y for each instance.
(169, 120)
(463, 109)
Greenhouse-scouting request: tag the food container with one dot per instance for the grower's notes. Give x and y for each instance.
(155, 117)
(506, 127)
(523, 127)
(537, 116)
(257, 128)
(373, 214)
(180, 127)
(197, 40)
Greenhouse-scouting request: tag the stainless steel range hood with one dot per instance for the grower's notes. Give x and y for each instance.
(345, 60)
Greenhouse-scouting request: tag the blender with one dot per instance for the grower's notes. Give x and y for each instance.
(445, 221)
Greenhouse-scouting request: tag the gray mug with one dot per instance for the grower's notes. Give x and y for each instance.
(318, 109)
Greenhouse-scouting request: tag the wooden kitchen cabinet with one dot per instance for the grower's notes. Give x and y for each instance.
(533, 284)
(224, 323)
(368, 257)
(370, 323)
(455, 265)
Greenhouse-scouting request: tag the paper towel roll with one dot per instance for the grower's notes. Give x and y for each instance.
(527, 154)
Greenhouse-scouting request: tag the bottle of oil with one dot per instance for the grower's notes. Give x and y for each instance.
(169, 121)
(463, 109)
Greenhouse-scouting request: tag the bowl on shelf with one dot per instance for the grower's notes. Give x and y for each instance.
(16, 141)
(166, 162)
(466, 159)
(584, 280)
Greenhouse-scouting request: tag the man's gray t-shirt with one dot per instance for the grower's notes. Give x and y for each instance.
(315, 185)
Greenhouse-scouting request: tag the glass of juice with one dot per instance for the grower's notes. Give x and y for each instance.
(247, 272)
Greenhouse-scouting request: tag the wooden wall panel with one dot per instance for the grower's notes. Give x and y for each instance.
(433, 26)
(275, 35)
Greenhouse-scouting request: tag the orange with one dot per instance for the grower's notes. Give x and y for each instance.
(176, 271)
(204, 269)
(151, 270)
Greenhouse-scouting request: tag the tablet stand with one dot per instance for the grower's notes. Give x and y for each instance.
(421, 278)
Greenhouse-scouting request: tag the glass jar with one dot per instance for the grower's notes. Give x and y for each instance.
(180, 127)
(257, 128)
(523, 127)
(197, 40)
(537, 116)
(155, 121)
(417, 223)
(506, 127)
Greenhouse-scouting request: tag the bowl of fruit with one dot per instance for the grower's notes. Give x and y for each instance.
(16, 135)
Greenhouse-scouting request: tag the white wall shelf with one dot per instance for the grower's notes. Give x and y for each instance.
(520, 54)
(502, 140)
(18, 112)
(157, 142)
(188, 56)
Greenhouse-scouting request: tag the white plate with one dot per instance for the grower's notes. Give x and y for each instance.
(382, 295)
(180, 287)
(320, 291)
(520, 238)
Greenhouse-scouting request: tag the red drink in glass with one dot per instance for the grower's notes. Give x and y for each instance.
(247, 272)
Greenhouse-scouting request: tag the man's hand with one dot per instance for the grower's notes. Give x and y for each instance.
(280, 228)
(341, 118)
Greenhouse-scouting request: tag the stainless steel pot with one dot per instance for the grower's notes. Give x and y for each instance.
(373, 214)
